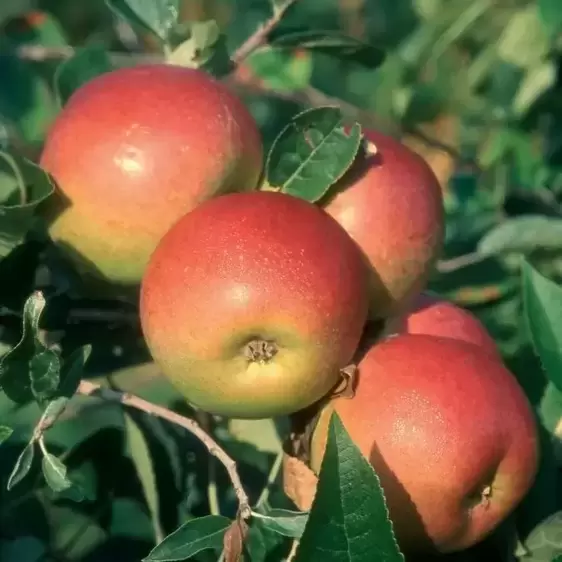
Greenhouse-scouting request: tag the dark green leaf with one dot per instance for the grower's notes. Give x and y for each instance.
(54, 471)
(15, 379)
(544, 543)
(25, 100)
(23, 186)
(157, 16)
(283, 521)
(542, 300)
(73, 369)
(331, 43)
(311, 153)
(142, 459)
(349, 504)
(523, 234)
(36, 28)
(537, 80)
(87, 63)
(204, 48)
(44, 371)
(192, 537)
(22, 549)
(22, 466)
(5, 433)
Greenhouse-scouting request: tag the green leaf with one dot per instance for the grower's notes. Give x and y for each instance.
(5, 433)
(54, 471)
(522, 234)
(523, 41)
(550, 13)
(544, 542)
(330, 43)
(86, 63)
(25, 99)
(542, 301)
(140, 454)
(22, 549)
(36, 28)
(205, 48)
(349, 504)
(157, 16)
(191, 538)
(311, 153)
(44, 371)
(73, 369)
(22, 466)
(55, 408)
(538, 80)
(23, 186)
(282, 71)
(283, 521)
(15, 377)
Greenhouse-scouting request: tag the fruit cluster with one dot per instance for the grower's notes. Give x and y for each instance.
(257, 303)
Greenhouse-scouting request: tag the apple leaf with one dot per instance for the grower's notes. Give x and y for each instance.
(142, 459)
(522, 234)
(15, 368)
(348, 506)
(72, 370)
(330, 43)
(311, 153)
(55, 471)
(5, 433)
(544, 542)
(204, 48)
(283, 521)
(22, 466)
(191, 538)
(23, 186)
(542, 299)
(157, 16)
(86, 63)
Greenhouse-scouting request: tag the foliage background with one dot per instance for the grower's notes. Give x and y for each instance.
(475, 87)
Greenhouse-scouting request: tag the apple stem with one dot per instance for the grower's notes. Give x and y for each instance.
(260, 351)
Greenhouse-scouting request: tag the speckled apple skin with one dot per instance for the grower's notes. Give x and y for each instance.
(439, 419)
(247, 266)
(392, 206)
(132, 151)
(435, 316)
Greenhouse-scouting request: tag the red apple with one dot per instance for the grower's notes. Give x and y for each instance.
(252, 304)
(132, 151)
(391, 204)
(435, 316)
(449, 432)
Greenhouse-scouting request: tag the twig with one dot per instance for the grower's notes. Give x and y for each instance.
(88, 388)
(460, 262)
(259, 37)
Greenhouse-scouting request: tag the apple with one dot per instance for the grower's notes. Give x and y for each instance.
(391, 204)
(252, 303)
(435, 316)
(132, 151)
(449, 432)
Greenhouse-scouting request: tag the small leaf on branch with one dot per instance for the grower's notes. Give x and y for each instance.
(283, 522)
(156, 16)
(87, 63)
(330, 43)
(234, 539)
(22, 466)
(73, 369)
(15, 376)
(23, 186)
(44, 372)
(5, 433)
(205, 47)
(55, 471)
(544, 542)
(311, 153)
(349, 502)
(191, 538)
(542, 300)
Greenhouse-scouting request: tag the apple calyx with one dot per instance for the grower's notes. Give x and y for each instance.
(260, 351)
